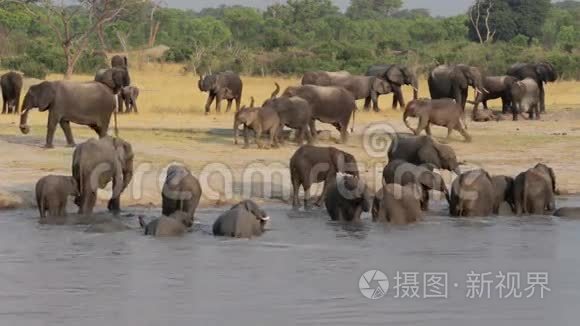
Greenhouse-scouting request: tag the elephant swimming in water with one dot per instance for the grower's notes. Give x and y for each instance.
(244, 220)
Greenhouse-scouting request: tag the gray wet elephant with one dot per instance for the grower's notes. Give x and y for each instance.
(361, 87)
(96, 162)
(534, 191)
(244, 220)
(221, 86)
(11, 84)
(420, 150)
(396, 204)
(175, 225)
(503, 189)
(472, 194)
(333, 105)
(568, 212)
(443, 112)
(181, 192)
(89, 103)
(130, 94)
(396, 76)
(404, 173)
(496, 87)
(542, 73)
(259, 120)
(347, 198)
(52, 194)
(453, 81)
(294, 112)
(311, 164)
(526, 98)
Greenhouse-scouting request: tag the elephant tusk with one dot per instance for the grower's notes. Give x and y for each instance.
(265, 219)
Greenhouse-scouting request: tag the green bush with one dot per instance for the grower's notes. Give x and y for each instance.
(34, 70)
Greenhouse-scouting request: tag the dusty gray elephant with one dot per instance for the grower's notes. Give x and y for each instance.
(311, 164)
(130, 94)
(175, 225)
(403, 173)
(503, 189)
(396, 204)
(485, 115)
(396, 76)
(294, 112)
(348, 197)
(52, 194)
(526, 98)
(96, 162)
(11, 84)
(221, 86)
(361, 87)
(472, 194)
(260, 120)
(333, 105)
(89, 103)
(568, 212)
(443, 112)
(420, 150)
(496, 87)
(542, 72)
(453, 81)
(244, 220)
(181, 192)
(534, 191)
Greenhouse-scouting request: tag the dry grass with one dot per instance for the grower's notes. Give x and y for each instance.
(172, 127)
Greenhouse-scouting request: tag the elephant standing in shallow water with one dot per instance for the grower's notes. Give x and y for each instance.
(244, 220)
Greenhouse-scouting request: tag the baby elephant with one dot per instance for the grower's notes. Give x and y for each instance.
(129, 95)
(173, 226)
(260, 120)
(244, 220)
(442, 112)
(503, 190)
(347, 198)
(398, 204)
(52, 193)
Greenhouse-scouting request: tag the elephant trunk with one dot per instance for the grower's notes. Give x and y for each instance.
(408, 113)
(415, 85)
(24, 128)
(236, 131)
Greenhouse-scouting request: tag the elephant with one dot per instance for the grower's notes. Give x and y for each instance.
(130, 94)
(175, 225)
(526, 98)
(542, 72)
(119, 61)
(534, 191)
(568, 212)
(403, 173)
(11, 84)
(348, 197)
(260, 120)
(485, 115)
(452, 81)
(503, 189)
(442, 112)
(294, 112)
(86, 103)
(181, 192)
(95, 163)
(334, 105)
(311, 164)
(361, 87)
(244, 220)
(472, 194)
(396, 76)
(496, 87)
(52, 194)
(396, 204)
(221, 86)
(114, 78)
(420, 150)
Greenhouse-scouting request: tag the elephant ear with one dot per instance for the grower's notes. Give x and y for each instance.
(44, 93)
(460, 78)
(546, 72)
(429, 154)
(381, 86)
(395, 75)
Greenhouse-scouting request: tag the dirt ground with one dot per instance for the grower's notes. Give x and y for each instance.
(227, 172)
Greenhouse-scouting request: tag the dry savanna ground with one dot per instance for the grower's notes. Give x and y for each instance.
(171, 127)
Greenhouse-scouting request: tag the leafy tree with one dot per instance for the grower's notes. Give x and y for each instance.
(372, 9)
(568, 38)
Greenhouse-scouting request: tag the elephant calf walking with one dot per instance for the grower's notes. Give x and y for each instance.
(260, 120)
(221, 86)
(443, 112)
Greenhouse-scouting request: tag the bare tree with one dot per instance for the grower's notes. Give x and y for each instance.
(59, 15)
(477, 17)
(154, 24)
